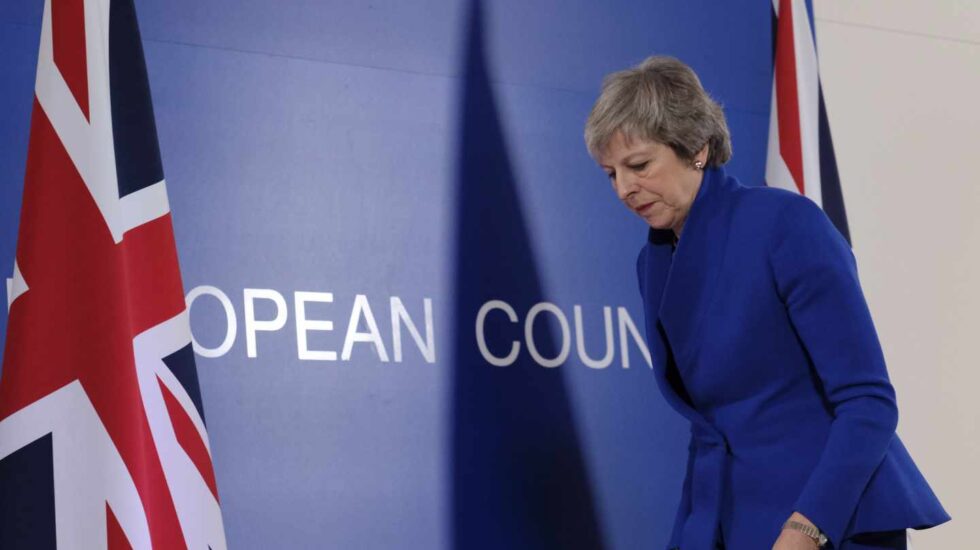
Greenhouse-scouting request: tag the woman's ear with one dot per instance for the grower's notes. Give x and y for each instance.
(702, 155)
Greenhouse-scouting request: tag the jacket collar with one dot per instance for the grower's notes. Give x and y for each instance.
(679, 285)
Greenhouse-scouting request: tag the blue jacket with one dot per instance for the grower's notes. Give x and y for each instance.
(761, 337)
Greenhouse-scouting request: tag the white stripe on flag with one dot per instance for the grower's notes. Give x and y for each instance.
(808, 90)
(777, 173)
(144, 205)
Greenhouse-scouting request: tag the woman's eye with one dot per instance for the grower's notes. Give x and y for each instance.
(611, 175)
(639, 165)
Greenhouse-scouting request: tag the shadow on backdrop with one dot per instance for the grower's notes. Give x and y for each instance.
(519, 480)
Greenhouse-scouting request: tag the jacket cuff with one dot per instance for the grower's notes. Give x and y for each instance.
(829, 504)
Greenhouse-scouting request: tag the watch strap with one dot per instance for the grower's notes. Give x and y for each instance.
(808, 530)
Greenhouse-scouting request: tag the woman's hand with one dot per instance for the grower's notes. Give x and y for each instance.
(791, 539)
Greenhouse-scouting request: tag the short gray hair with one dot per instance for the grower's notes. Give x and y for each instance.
(661, 100)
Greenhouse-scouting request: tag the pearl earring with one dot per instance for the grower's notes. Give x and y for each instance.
(699, 165)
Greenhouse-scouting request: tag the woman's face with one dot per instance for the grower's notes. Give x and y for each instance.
(651, 180)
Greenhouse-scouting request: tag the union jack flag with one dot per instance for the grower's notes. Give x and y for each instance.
(801, 153)
(102, 436)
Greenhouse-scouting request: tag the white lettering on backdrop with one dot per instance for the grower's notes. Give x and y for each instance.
(266, 311)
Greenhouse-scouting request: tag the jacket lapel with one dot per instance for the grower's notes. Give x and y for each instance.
(677, 286)
(654, 271)
(696, 265)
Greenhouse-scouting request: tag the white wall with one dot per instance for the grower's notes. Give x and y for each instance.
(902, 83)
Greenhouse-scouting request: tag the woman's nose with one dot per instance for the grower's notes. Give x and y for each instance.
(625, 186)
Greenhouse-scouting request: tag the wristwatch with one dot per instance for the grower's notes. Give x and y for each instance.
(808, 530)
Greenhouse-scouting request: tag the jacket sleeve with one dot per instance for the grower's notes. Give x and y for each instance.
(816, 277)
(684, 507)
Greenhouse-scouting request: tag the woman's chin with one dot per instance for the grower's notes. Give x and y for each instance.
(657, 223)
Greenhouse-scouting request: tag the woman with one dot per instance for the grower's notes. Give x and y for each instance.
(760, 337)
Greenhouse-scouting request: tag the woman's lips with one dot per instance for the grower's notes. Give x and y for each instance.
(642, 208)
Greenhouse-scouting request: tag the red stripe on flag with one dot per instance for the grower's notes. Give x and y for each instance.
(152, 274)
(787, 95)
(189, 438)
(117, 538)
(68, 35)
